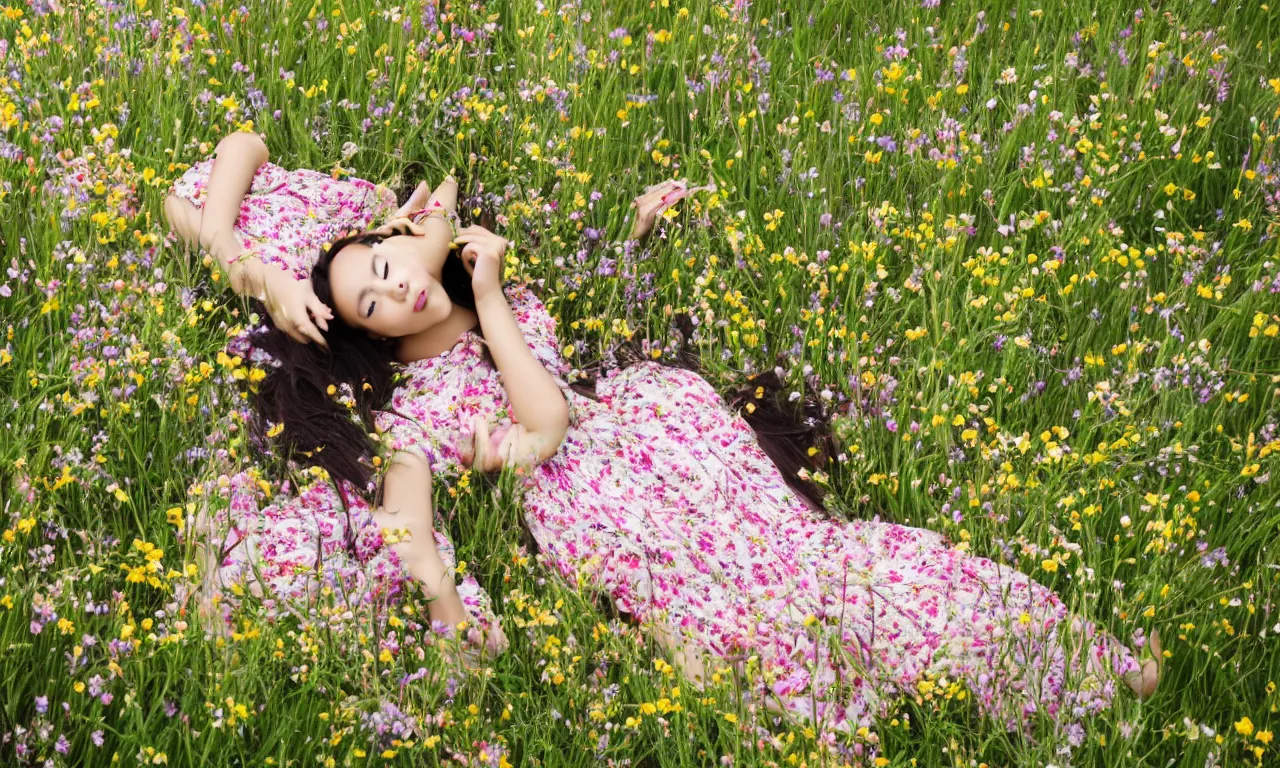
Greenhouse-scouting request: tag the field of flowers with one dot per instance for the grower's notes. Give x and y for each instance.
(1026, 253)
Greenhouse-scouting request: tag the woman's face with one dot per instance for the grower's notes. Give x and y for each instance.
(390, 289)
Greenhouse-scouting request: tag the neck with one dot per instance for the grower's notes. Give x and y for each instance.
(437, 339)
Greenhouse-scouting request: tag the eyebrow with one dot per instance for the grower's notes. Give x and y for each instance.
(365, 291)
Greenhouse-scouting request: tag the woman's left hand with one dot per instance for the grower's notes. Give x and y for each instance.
(400, 226)
(507, 446)
(657, 199)
(482, 253)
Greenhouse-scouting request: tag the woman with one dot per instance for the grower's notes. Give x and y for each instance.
(651, 490)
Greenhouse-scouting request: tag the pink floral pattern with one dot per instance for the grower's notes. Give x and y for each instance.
(287, 551)
(288, 215)
(661, 497)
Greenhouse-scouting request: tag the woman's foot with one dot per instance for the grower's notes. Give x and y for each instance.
(1144, 681)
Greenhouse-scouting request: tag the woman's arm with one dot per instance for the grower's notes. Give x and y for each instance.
(292, 303)
(536, 399)
(238, 158)
(406, 509)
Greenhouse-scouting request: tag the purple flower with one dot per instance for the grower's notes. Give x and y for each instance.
(42, 704)
(97, 739)
(1216, 557)
(62, 746)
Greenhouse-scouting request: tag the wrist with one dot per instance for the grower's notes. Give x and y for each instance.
(217, 237)
(247, 275)
(489, 294)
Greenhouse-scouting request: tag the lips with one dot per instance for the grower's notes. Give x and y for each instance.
(421, 302)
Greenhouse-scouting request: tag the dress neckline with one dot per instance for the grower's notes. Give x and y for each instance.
(466, 336)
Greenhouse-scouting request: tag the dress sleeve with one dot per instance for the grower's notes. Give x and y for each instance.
(429, 423)
(288, 216)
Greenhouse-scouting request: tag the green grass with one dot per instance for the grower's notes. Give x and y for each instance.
(1085, 407)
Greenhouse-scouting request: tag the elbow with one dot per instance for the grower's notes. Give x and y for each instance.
(249, 145)
(553, 435)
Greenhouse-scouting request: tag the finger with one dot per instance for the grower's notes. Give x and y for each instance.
(401, 227)
(472, 232)
(510, 445)
(649, 203)
(664, 187)
(312, 333)
(319, 313)
(467, 448)
(480, 431)
(397, 225)
(668, 194)
(657, 190)
(414, 228)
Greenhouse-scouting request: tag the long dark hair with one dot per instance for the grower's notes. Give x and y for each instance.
(316, 428)
(786, 428)
(313, 423)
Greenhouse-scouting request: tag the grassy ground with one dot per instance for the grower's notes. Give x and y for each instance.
(1028, 251)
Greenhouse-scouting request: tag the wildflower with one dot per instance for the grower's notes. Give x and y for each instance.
(1244, 727)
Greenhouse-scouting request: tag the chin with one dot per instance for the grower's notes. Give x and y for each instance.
(433, 314)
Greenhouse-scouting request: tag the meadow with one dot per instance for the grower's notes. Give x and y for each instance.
(1025, 254)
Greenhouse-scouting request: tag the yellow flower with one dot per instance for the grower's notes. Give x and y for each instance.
(1244, 726)
(1049, 565)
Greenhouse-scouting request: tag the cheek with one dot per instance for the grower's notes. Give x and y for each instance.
(440, 305)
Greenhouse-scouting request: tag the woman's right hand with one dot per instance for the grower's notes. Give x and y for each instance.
(293, 305)
(482, 253)
(288, 300)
